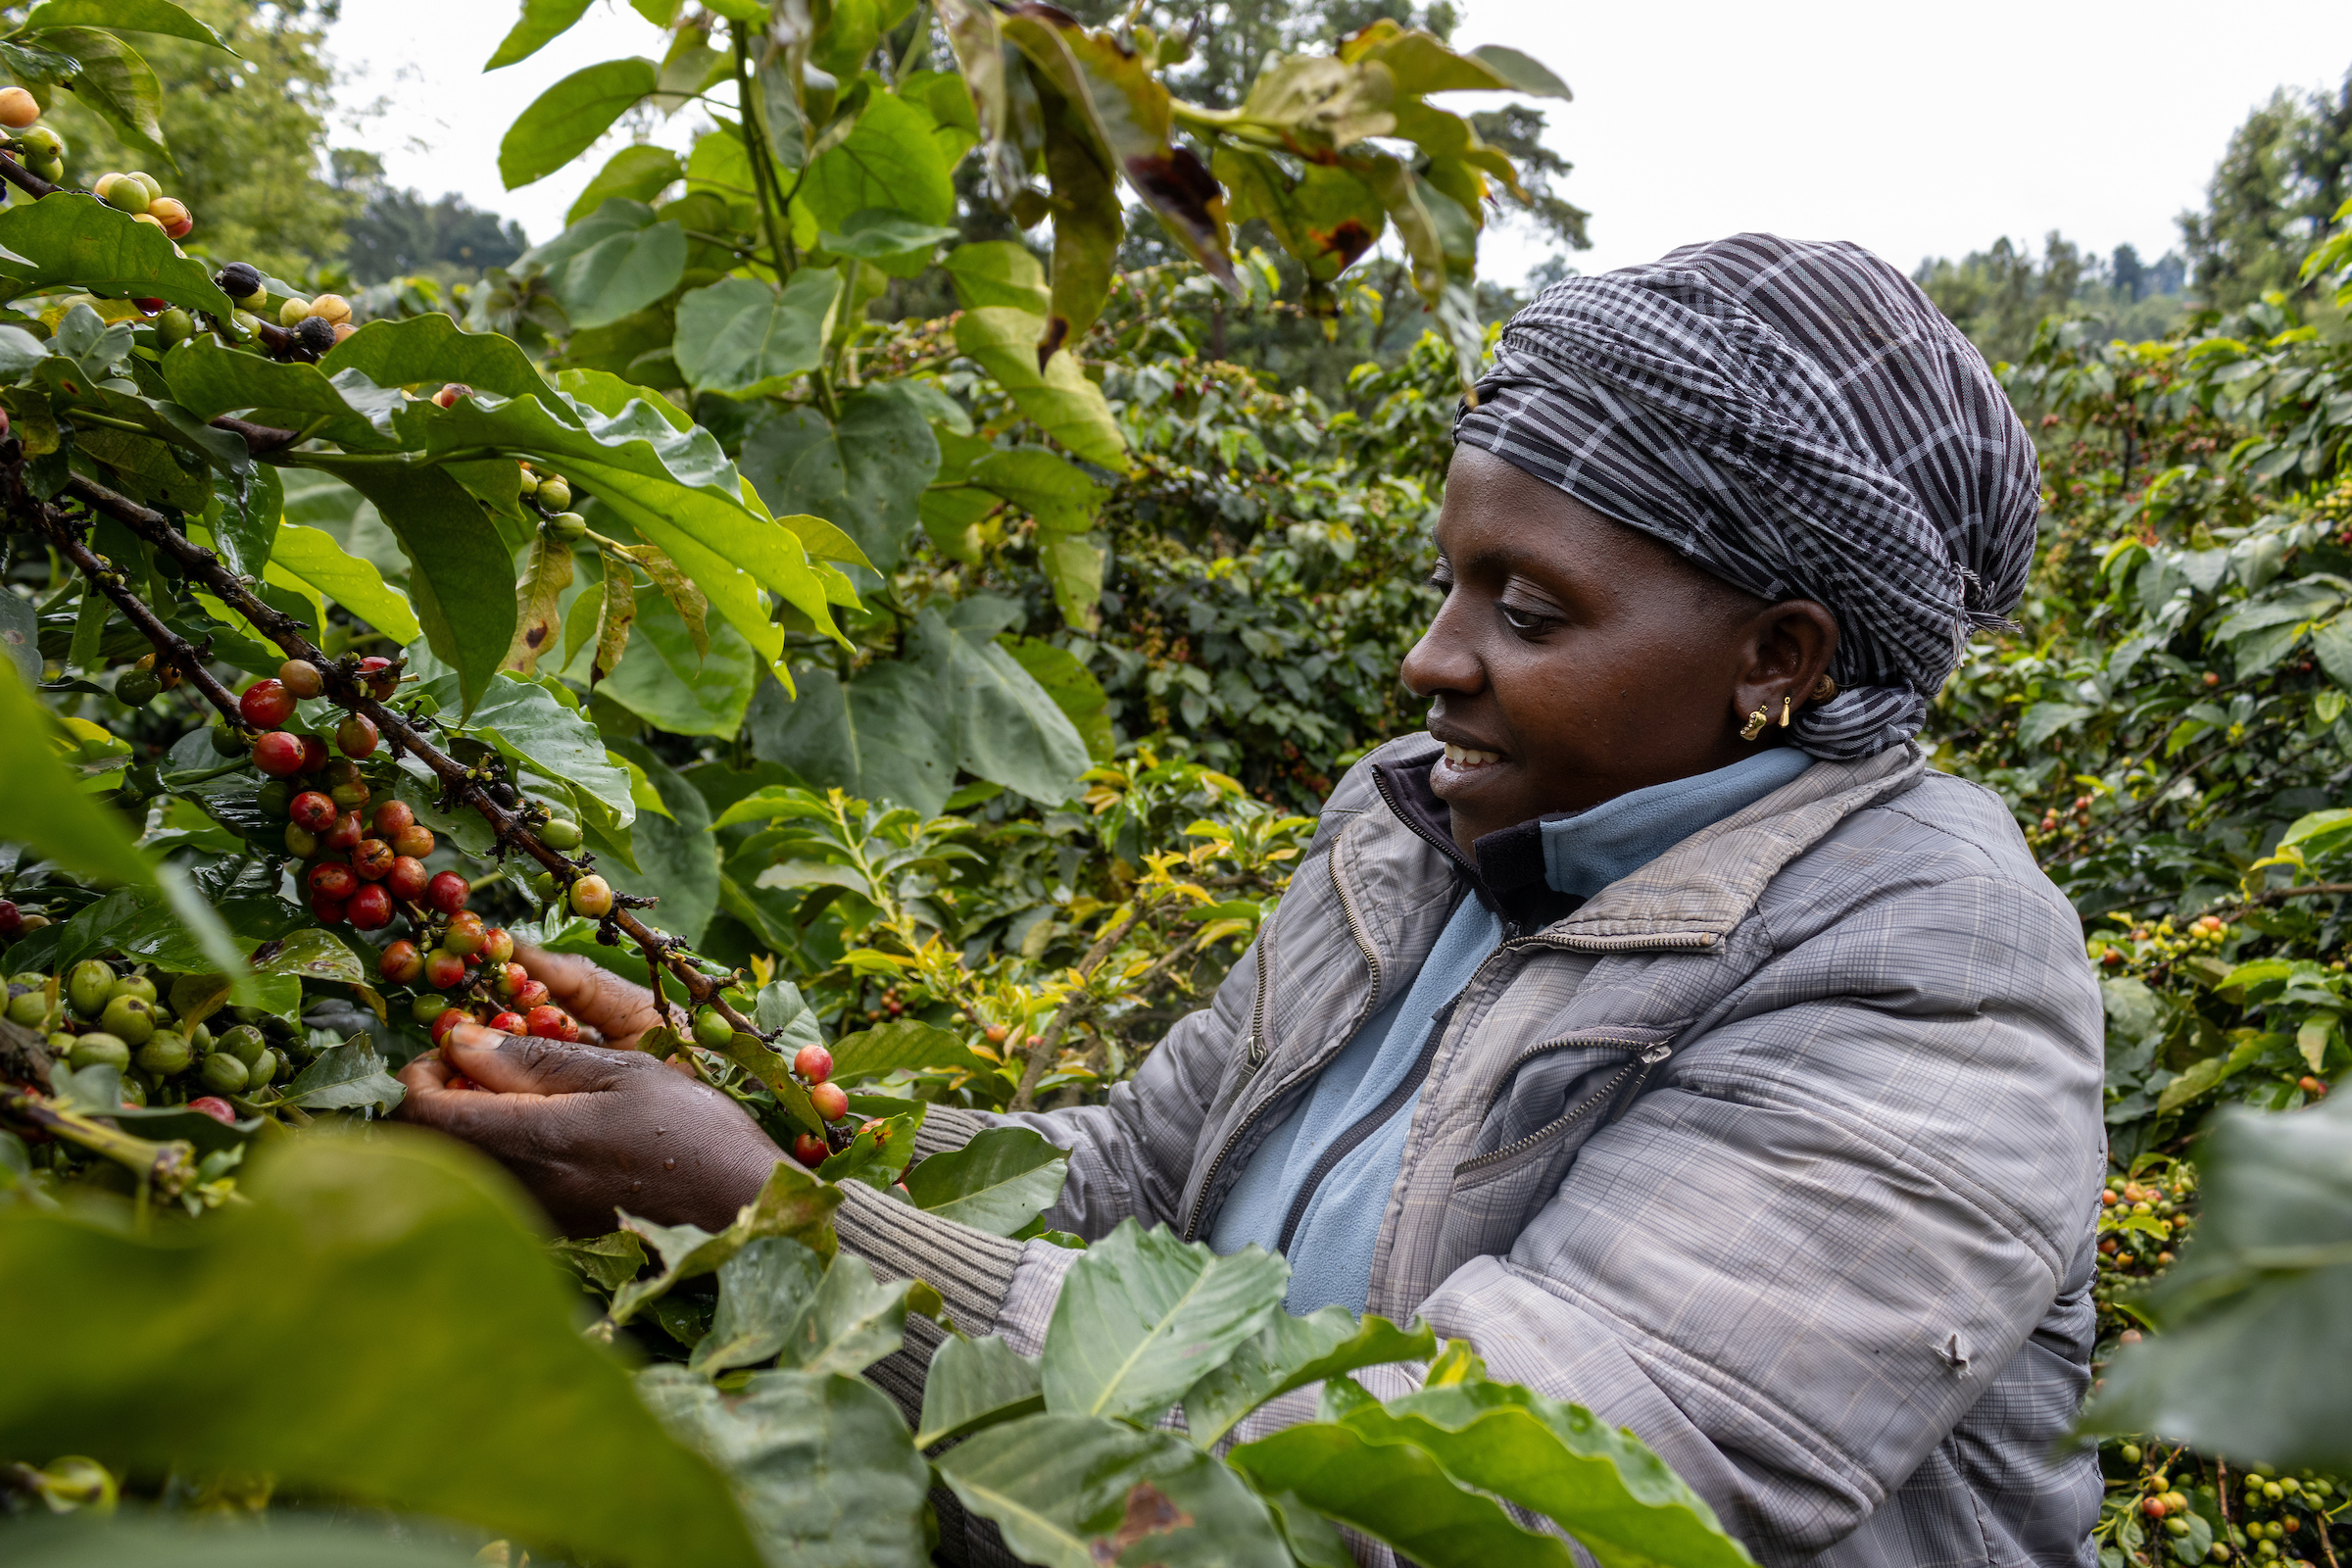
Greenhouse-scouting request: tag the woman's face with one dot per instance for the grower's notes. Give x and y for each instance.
(1575, 658)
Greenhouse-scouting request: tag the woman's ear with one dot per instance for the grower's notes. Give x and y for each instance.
(1784, 650)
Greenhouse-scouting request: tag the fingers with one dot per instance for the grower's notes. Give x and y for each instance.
(590, 993)
(522, 1064)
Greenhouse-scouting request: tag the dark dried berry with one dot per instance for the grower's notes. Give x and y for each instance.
(238, 280)
(315, 334)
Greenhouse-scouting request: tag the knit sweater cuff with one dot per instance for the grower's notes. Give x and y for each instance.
(970, 1269)
(946, 1129)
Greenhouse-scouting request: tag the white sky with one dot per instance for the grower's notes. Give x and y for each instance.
(1915, 130)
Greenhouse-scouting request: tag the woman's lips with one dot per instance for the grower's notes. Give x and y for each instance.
(1467, 758)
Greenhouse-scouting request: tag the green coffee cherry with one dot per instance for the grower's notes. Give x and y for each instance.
(135, 1093)
(40, 142)
(100, 1050)
(560, 833)
(28, 1008)
(712, 1029)
(244, 1044)
(130, 1017)
(135, 985)
(567, 527)
(223, 1074)
(201, 1037)
(174, 326)
(554, 493)
(293, 313)
(273, 799)
(137, 688)
(165, 1052)
(90, 986)
(428, 1007)
(263, 1068)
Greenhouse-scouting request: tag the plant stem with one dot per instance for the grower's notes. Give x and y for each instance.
(1034, 1069)
(167, 1167)
(763, 174)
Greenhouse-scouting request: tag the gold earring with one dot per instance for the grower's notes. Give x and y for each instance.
(1755, 722)
(1824, 689)
(1783, 710)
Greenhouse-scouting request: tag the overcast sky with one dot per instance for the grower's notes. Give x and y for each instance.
(1915, 130)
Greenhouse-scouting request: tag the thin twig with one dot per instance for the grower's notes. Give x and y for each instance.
(24, 179)
(1050, 1042)
(172, 651)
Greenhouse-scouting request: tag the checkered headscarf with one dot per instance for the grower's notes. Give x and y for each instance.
(1799, 420)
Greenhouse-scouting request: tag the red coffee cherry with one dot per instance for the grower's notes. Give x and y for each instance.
(266, 705)
(372, 860)
(414, 841)
(346, 833)
(447, 893)
(371, 907)
(449, 1020)
(314, 753)
(311, 812)
(407, 878)
(498, 945)
(278, 754)
(831, 1101)
(509, 980)
(215, 1107)
(391, 816)
(465, 934)
(507, 1023)
(333, 880)
(381, 677)
(814, 1063)
(326, 911)
(531, 993)
(401, 962)
(809, 1149)
(356, 735)
(443, 970)
(549, 1023)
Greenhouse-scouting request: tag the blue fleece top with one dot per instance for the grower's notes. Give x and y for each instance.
(1350, 1130)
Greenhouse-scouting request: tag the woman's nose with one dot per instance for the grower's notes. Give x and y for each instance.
(1444, 659)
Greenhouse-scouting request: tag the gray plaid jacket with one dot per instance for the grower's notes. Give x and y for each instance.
(1783, 1151)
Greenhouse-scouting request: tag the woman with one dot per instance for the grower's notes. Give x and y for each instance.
(1657, 1021)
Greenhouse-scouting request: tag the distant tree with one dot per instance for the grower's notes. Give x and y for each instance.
(1999, 296)
(398, 233)
(2287, 170)
(248, 130)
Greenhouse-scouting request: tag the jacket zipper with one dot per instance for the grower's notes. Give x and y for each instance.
(1366, 1125)
(1256, 1056)
(1639, 1070)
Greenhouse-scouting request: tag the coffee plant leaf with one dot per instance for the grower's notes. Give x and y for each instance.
(1396, 1493)
(899, 245)
(1073, 568)
(460, 578)
(888, 161)
(1077, 1491)
(1060, 399)
(312, 555)
(818, 1463)
(742, 338)
(1290, 1352)
(606, 1261)
(425, 352)
(849, 1321)
(1073, 688)
(555, 1450)
(1596, 1481)
(1057, 493)
(312, 952)
(876, 1153)
(621, 274)
(1008, 729)
(117, 83)
(571, 116)
(48, 809)
(123, 16)
(1520, 73)
(2269, 1268)
(973, 1384)
(866, 473)
(998, 1182)
(209, 380)
(637, 173)
(999, 271)
(78, 241)
(762, 1292)
(676, 859)
(531, 728)
(1143, 1316)
(345, 1077)
(902, 1043)
(879, 736)
(542, 23)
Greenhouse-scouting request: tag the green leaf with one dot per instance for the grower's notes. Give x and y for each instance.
(344, 1077)
(902, 1043)
(848, 1323)
(182, 1543)
(819, 1463)
(998, 1182)
(793, 1204)
(877, 1151)
(1292, 1352)
(1057, 493)
(882, 736)
(1600, 1485)
(634, 173)
(541, 24)
(1074, 568)
(570, 117)
(999, 273)
(897, 244)
(460, 578)
(666, 683)
(1520, 73)
(1143, 1316)
(2269, 1268)
(312, 555)
(117, 84)
(761, 1290)
(866, 474)
(973, 1384)
(1008, 729)
(78, 241)
(606, 1261)
(2045, 719)
(890, 161)
(123, 16)
(1074, 690)
(310, 953)
(742, 339)
(621, 274)
(1396, 1493)
(677, 859)
(428, 350)
(528, 726)
(350, 1262)
(1062, 402)
(1076, 1492)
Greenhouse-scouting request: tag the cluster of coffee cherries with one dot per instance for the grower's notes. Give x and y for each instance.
(551, 493)
(2129, 1258)
(141, 195)
(2286, 1515)
(466, 974)
(94, 1015)
(813, 1064)
(350, 875)
(39, 149)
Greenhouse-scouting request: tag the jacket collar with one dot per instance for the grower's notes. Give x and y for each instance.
(1508, 875)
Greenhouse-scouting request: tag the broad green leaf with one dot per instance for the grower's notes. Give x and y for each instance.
(741, 338)
(525, 721)
(350, 1262)
(888, 161)
(1292, 1352)
(634, 173)
(1600, 1485)
(2254, 1308)
(866, 475)
(1008, 729)
(819, 1463)
(1396, 1493)
(312, 555)
(1077, 693)
(1064, 404)
(902, 1043)
(1143, 1316)
(1073, 568)
(1001, 273)
(1325, 216)
(608, 394)
(998, 1182)
(606, 1261)
(344, 1077)
(119, 84)
(47, 809)
(426, 351)
(72, 240)
(570, 117)
(882, 736)
(309, 953)
(1054, 491)
(877, 1151)
(542, 23)
(1077, 1491)
(621, 274)
(793, 1204)
(761, 1290)
(123, 16)
(178, 1542)
(666, 683)
(848, 1323)
(677, 861)
(1520, 73)
(897, 244)
(973, 1384)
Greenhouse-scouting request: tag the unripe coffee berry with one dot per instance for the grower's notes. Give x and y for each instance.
(372, 860)
(555, 493)
(301, 677)
(391, 816)
(371, 907)
(124, 194)
(442, 969)
(592, 896)
(560, 833)
(314, 335)
(301, 841)
(447, 893)
(407, 878)
(416, 841)
(171, 212)
(313, 810)
(130, 1019)
(567, 527)
(266, 705)
(401, 962)
(356, 735)
(17, 108)
(712, 1029)
(174, 326)
(831, 1101)
(293, 313)
(449, 1020)
(278, 754)
(813, 1062)
(137, 688)
(498, 945)
(466, 933)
